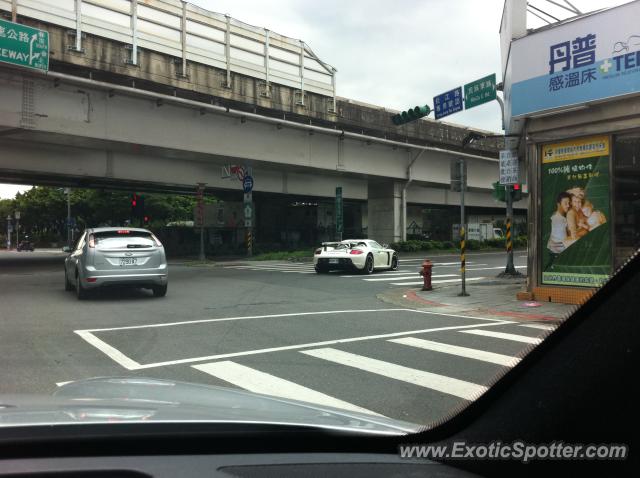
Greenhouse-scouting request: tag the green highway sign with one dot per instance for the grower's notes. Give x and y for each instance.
(339, 217)
(24, 46)
(480, 91)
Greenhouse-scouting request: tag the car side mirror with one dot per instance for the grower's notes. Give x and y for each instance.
(66, 249)
(385, 246)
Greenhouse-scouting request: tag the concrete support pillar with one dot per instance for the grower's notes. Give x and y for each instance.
(384, 211)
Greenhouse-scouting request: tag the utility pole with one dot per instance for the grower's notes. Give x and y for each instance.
(511, 270)
(67, 191)
(9, 233)
(17, 216)
(463, 229)
(200, 216)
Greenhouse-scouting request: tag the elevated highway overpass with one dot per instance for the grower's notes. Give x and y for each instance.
(170, 116)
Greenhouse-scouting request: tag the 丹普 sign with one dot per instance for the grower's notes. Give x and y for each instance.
(588, 59)
(24, 46)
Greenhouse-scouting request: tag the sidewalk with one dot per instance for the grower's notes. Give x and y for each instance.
(493, 299)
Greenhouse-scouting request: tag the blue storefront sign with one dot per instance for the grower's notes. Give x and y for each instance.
(448, 103)
(586, 60)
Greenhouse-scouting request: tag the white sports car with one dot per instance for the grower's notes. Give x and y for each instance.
(364, 255)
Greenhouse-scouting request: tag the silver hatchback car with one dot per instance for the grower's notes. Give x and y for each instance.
(107, 256)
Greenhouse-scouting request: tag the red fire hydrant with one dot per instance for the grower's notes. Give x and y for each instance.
(426, 274)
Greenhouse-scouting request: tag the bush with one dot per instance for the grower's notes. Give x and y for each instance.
(520, 241)
(497, 243)
(448, 245)
(474, 244)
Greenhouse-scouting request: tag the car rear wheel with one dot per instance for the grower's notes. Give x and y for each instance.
(394, 263)
(368, 265)
(81, 292)
(321, 270)
(67, 284)
(159, 290)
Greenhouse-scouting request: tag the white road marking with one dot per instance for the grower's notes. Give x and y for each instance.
(278, 269)
(247, 317)
(60, 384)
(441, 383)
(438, 281)
(260, 382)
(502, 321)
(466, 352)
(505, 336)
(436, 263)
(111, 352)
(377, 273)
(315, 344)
(412, 276)
(539, 326)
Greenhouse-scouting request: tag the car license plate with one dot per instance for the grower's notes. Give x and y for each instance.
(333, 261)
(128, 261)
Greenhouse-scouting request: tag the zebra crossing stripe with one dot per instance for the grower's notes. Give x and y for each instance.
(444, 281)
(412, 276)
(256, 381)
(440, 383)
(502, 335)
(539, 326)
(466, 352)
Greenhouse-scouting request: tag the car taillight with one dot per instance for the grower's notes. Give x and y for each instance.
(123, 231)
(356, 252)
(318, 251)
(92, 241)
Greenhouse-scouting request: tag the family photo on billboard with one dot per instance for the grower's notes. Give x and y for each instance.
(575, 216)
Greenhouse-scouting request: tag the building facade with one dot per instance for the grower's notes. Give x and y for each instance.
(572, 97)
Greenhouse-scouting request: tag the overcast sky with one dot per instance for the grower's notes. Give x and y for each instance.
(395, 54)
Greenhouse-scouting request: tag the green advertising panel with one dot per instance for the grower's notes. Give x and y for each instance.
(576, 245)
(24, 46)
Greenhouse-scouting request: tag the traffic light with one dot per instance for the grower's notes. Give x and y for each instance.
(516, 194)
(411, 114)
(146, 220)
(137, 205)
(499, 192)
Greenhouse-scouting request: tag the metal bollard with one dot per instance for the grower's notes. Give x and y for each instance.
(427, 266)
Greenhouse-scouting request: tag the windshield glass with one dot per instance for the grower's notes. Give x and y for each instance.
(367, 208)
(122, 239)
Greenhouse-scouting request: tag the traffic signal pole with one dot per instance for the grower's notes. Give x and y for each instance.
(509, 200)
(463, 231)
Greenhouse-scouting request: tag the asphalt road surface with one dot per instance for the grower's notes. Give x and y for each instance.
(274, 328)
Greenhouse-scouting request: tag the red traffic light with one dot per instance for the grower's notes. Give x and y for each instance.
(146, 219)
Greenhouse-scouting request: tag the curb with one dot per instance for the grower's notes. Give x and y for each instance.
(411, 295)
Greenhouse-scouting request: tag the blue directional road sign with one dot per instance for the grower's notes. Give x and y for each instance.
(247, 184)
(448, 103)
